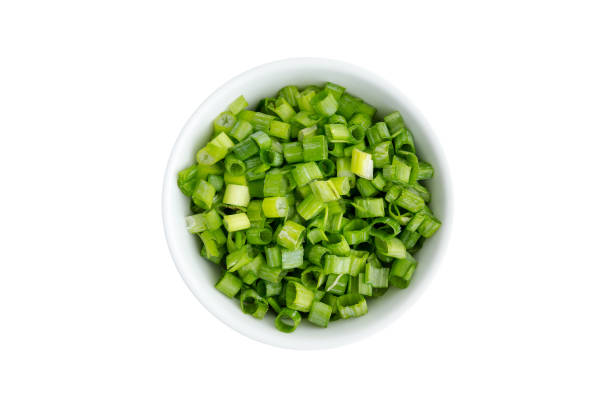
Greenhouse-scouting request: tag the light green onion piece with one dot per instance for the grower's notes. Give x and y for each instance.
(238, 105)
(362, 164)
(369, 207)
(236, 222)
(215, 150)
(229, 284)
(324, 190)
(314, 148)
(290, 235)
(275, 207)
(391, 247)
(236, 195)
(304, 173)
(336, 284)
(298, 297)
(337, 264)
(378, 277)
(402, 271)
(204, 194)
(292, 258)
(310, 207)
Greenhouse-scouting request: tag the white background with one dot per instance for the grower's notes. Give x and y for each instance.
(92, 310)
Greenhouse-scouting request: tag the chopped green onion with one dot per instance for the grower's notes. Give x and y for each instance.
(410, 200)
(382, 154)
(290, 93)
(290, 235)
(224, 122)
(337, 245)
(238, 105)
(275, 185)
(324, 103)
(363, 288)
(236, 222)
(253, 304)
(292, 258)
(337, 133)
(319, 314)
(298, 297)
(324, 190)
(369, 207)
(385, 227)
(241, 130)
(293, 152)
(362, 164)
(304, 99)
(347, 105)
(259, 235)
(335, 90)
(378, 277)
(341, 184)
(394, 122)
(304, 173)
(275, 207)
(287, 320)
(336, 283)
(310, 207)
(270, 273)
(366, 188)
(314, 147)
(204, 194)
(229, 284)
(356, 231)
(391, 247)
(315, 254)
(327, 167)
(236, 195)
(273, 256)
(215, 150)
(402, 271)
(429, 226)
(426, 171)
(281, 130)
(337, 264)
(352, 305)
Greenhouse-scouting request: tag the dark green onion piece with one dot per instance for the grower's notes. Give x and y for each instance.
(426, 171)
(394, 122)
(314, 148)
(336, 284)
(378, 277)
(287, 320)
(298, 297)
(402, 271)
(253, 304)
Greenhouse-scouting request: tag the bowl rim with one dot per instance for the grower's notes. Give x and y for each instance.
(169, 183)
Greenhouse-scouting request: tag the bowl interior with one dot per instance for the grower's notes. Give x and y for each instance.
(201, 275)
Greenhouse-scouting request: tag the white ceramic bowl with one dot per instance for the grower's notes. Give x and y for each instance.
(201, 275)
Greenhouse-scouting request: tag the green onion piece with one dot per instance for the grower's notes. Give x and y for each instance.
(337, 119)
(378, 133)
(315, 254)
(324, 103)
(262, 140)
(324, 190)
(410, 200)
(398, 172)
(249, 272)
(236, 195)
(362, 164)
(402, 271)
(298, 297)
(337, 245)
(274, 304)
(336, 207)
(394, 122)
(356, 231)
(273, 256)
(236, 222)
(195, 223)
(336, 283)
(403, 141)
(229, 284)
(283, 109)
(259, 235)
(224, 122)
(281, 130)
(219, 236)
(290, 93)
(416, 221)
(204, 194)
(382, 154)
(366, 188)
(255, 211)
(256, 188)
(379, 181)
(275, 207)
(275, 185)
(215, 150)
(316, 235)
(241, 130)
(245, 149)
(188, 179)
(293, 152)
(238, 105)
(292, 258)
(351, 305)
(337, 264)
(336, 149)
(310, 207)
(215, 181)
(378, 277)
(327, 167)
(422, 191)
(426, 171)
(306, 119)
(253, 304)
(385, 227)
(429, 226)
(238, 180)
(304, 99)
(369, 207)
(357, 262)
(211, 249)
(335, 90)
(315, 148)
(319, 314)
(366, 109)
(361, 120)
(341, 184)
(409, 238)
(391, 247)
(312, 277)
(290, 235)
(343, 169)
(237, 259)
(304, 173)
(287, 320)
(270, 274)
(363, 288)
(212, 220)
(261, 121)
(306, 132)
(393, 193)
(347, 105)
(337, 133)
